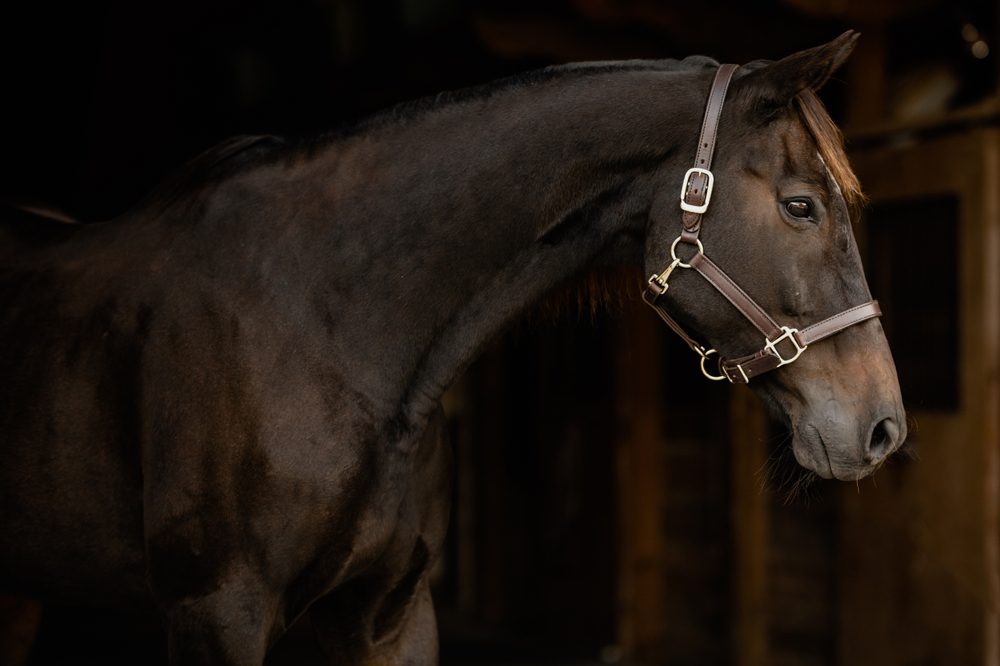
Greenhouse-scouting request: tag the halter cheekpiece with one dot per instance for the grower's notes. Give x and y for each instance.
(782, 344)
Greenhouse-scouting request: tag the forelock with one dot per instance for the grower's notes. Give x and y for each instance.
(830, 144)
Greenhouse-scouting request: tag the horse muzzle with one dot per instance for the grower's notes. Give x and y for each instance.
(834, 445)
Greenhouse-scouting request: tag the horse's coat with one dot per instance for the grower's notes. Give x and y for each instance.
(226, 402)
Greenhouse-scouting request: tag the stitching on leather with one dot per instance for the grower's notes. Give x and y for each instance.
(668, 320)
(714, 105)
(845, 313)
(721, 100)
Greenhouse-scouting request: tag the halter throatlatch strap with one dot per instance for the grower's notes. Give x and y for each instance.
(782, 344)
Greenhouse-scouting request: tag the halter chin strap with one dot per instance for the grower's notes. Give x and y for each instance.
(782, 344)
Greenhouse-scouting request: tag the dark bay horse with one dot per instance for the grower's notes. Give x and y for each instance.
(225, 403)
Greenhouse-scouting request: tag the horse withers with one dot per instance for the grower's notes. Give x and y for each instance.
(225, 404)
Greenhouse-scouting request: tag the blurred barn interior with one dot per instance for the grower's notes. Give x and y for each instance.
(610, 505)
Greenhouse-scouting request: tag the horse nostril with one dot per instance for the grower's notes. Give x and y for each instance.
(884, 438)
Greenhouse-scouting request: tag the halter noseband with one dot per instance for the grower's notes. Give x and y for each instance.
(696, 194)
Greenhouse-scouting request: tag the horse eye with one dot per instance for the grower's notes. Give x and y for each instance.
(800, 208)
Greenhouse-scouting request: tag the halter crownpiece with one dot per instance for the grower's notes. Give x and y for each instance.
(782, 344)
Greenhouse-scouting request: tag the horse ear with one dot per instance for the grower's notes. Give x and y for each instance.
(773, 86)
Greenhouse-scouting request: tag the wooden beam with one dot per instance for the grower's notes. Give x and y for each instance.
(989, 370)
(641, 485)
(866, 78)
(920, 570)
(750, 531)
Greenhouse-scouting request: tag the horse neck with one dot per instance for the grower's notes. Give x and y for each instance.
(450, 225)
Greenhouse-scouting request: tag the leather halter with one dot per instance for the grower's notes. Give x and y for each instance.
(696, 194)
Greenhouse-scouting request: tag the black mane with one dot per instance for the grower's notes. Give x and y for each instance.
(414, 109)
(221, 161)
(237, 154)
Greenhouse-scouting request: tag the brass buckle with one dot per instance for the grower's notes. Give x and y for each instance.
(788, 334)
(694, 208)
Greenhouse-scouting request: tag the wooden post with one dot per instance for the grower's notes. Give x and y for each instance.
(20, 620)
(920, 574)
(750, 530)
(989, 375)
(866, 72)
(641, 483)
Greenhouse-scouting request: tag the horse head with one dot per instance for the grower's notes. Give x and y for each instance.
(779, 225)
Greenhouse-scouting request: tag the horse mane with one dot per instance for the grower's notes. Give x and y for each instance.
(221, 161)
(42, 212)
(235, 155)
(830, 142)
(238, 154)
(412, 110)
(584, 297)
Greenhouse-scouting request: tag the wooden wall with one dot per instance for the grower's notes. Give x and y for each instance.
(530, 569)
(920, 549)
(674, 573)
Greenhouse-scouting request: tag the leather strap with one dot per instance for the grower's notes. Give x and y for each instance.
(838, 322)
(742, 370)
(735, 295)
(697, 189)
(650, 298)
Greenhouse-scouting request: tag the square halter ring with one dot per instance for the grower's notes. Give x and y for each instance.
(697, 209)
(787, 334)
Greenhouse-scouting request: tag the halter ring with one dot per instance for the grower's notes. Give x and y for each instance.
(673, 251)
(704, 357)
(787, 334)
(698, 209)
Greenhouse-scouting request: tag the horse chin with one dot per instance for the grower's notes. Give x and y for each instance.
(831, 441)
(810, 452)
(814, 453)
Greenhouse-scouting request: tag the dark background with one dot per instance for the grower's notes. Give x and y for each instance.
(104, 98)
(101, 100)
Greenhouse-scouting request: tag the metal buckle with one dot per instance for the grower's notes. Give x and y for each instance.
(692, 208)
(788, 334)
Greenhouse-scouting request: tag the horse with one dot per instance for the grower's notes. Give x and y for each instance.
(225, 404)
